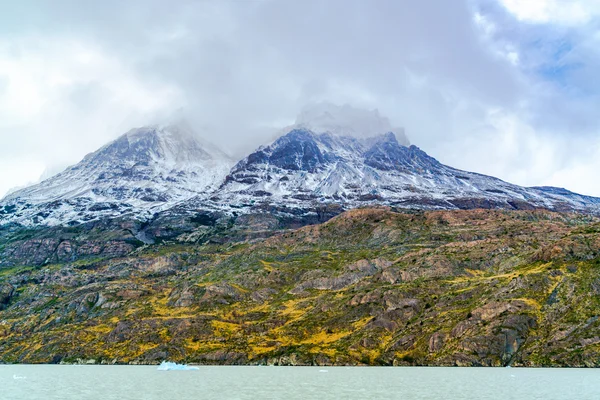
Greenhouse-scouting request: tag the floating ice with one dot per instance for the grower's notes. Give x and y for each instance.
(171, 366)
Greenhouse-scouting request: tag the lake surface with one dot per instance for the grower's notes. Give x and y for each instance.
(32, 382)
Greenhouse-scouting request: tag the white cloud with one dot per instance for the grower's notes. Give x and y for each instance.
(61, 99)
(569, 12)
(578, 175)
(504, 145)
(19, 171)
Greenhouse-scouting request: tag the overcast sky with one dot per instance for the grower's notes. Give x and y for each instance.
(509, 88)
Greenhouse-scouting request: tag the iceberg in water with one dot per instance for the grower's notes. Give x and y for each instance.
(171, 366)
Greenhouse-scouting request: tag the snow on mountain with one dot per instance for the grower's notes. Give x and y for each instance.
(304, 169)
(332, 156)
(143, 171)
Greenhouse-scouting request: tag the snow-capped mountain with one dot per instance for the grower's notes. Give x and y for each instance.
(143, 171)
(303, 169)
(332, 156)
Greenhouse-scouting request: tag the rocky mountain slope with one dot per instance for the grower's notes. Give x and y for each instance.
(142, 172)
(303, 168)
(370, 286)
(158, 246)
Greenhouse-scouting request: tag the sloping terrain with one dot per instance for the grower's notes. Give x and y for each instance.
(144, 171)
(303, 168)
(370, 286)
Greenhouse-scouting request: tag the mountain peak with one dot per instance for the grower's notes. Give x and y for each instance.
(176, 144)
(147, 168)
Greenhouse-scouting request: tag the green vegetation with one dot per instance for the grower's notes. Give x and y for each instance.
(370, 286)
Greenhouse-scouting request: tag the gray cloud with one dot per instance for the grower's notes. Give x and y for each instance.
(242, 69)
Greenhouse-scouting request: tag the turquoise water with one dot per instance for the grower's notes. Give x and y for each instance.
(31, 382)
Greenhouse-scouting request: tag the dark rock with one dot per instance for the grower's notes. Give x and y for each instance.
(382, 322)
(572, 269)
(553, 298)
(123, 331)
(436, 342)
(7, 292)
(225, 357)
(404, 343)
(183, 296)
(222, 293)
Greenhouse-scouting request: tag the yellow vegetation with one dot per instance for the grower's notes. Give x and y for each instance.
(258, 350)
(199, 346)
(323, 337)
(101, 328)
(224, 328)
(145, 347)
(267, 265)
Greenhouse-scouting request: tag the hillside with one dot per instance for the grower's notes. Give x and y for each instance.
(370, 286)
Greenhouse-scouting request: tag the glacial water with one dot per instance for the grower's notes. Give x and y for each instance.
(32, 382)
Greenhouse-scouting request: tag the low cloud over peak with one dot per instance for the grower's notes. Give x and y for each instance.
(346, 120)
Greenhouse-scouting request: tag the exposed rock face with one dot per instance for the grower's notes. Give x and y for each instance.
(504, 331)
(336, 283)
(493, 310)
(6, 293)
(53, 250)
(106, 239)
(222, 293)
(85, 303)
(183, 296)
(359, 270)
(436, 342)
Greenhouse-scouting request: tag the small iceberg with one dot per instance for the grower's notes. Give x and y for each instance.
(171, 366)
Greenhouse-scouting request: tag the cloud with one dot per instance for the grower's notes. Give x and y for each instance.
(62, 99)
(494, 86)
(554, 11)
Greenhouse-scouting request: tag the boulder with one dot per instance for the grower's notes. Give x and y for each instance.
(7, 292)
(436, 342)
